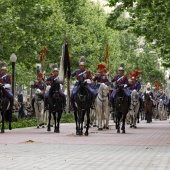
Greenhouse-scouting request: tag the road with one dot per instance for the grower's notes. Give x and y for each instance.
(147, 147)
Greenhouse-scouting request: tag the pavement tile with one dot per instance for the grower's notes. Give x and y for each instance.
(144, 148)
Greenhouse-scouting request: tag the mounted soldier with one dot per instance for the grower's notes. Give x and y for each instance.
(163, 96)
(5, 81)
(120, 79)
(101, 76)
(51, 79)
(83, 74)
(134, 84)
(148, 90)
(4, 77)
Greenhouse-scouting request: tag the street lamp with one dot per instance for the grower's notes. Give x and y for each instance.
(13, 59)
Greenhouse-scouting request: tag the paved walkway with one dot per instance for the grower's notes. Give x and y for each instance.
(144, 148)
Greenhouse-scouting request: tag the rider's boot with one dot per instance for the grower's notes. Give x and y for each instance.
(93, 102)
(113, 105)
(11, 100)
(129, 103)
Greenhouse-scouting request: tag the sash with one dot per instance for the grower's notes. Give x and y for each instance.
(120, 78)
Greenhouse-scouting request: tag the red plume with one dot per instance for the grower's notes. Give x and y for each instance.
(40, 75)
(101, 67)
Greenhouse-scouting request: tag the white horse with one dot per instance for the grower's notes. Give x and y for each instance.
(135, 104)
(161, 109)
(39, 108)
(102, 107)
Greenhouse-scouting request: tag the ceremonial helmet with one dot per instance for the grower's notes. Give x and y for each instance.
(4, 68)
(148, 85)
(3, 65)
(121, 69)
(82, 61)
(55, 69)
(40, 75)
(101, 67)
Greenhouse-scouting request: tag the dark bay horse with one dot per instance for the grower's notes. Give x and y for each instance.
(56, 105)
(82, 106)
(5, 109)
(147, 105)
(121, 108)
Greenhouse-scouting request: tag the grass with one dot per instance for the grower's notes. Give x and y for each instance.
(22, 123)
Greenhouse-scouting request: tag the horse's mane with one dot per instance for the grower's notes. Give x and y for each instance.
(134, 93)
(54, 87)
(147, 97)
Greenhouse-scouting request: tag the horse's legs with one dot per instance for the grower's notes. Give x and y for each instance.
(81, 122)
(135, 120)
(100, 119)
(118, 122)
(107, 115)
(9, 112)
(49, 119)
(58, 122)
(75, 116)
(88, 122)
(55, 126)
(123, 122)
(138, 115)
(131, 121)
(3, 120)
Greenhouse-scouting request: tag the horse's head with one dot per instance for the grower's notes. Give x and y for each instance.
(1, 91)
(134, 96)
(120, 87)
(161, 103)
(103, 90)
(147, 97)
(54, 90)
(82, 84)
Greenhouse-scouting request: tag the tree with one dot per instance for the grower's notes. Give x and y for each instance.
(147, 18)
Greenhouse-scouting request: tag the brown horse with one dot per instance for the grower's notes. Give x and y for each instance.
(147, 105)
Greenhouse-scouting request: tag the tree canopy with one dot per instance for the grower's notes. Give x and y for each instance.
(26, 26)
(145, 18)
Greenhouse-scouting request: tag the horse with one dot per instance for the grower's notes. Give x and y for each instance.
(83, 101)
(135, 104)
(161, 109)
(56, 105)
(121, 107)
(102, 107)
(5, 109)
(39, 108)
(147, 104)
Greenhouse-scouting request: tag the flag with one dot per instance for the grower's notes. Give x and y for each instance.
(106, 55)
(43, 53)
(66, 61)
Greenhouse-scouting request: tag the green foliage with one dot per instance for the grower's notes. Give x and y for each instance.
(22, 123)
(26, 26)
(147, 18)
(14, 118)
(67, 118)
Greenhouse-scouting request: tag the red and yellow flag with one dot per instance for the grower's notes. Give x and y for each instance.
(106, 58)
(43, 53)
